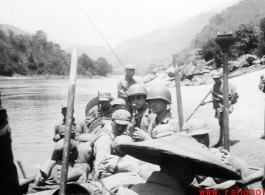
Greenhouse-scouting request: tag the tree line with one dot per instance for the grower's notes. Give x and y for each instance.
(35, 55)
(250, 39)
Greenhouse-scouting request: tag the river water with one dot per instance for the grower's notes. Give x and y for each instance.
(34, 108)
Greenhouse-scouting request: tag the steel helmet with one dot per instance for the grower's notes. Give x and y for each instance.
(159, 92)
(137, 89)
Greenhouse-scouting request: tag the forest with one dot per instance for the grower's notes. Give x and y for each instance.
(32, 55)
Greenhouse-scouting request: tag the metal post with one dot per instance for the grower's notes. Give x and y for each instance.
(69, 121)
(225, 42)
(178, 93)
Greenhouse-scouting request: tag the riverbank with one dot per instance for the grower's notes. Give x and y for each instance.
(18, 76)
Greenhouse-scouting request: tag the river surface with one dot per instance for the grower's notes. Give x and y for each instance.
(34, 108)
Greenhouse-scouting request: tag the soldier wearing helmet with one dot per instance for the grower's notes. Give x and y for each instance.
(125, 83)
(164, 124)
(141, 114)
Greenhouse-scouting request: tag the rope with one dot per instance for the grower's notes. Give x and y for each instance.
(100, 33)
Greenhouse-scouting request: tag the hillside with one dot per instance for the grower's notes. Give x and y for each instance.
(92, 51)
(245, 12)
(159, 45)
(17, 31)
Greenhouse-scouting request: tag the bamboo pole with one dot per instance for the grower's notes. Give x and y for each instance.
(178, 93)
(198, 106)
(225, 42)
(69, 121)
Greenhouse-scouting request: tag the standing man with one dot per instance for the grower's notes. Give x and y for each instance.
(217, 99)
(125, 83)
(78, 127)
(142, 116)
(164, 124)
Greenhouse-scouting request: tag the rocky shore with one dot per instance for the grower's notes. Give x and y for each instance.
(198, 72)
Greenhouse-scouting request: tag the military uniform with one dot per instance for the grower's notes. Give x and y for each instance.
(78, 128)
(167, 126)
(103, 143)
(123, 86)
(217, 103)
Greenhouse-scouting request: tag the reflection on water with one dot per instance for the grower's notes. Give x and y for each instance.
(34, 108)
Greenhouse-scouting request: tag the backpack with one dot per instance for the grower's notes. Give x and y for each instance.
(234, 94)
(262, 83)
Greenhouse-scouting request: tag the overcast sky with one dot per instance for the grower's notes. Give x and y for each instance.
(117, 20)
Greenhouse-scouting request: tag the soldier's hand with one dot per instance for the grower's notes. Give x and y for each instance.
(140, 135)
(39, 180)
(202, 103)
(56, 138)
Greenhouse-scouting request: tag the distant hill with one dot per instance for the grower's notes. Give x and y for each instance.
(92, 51)
(244, 12)
(159, 45)
(17, 31)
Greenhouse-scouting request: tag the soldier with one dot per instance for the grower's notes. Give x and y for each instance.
(199, 131)
(8, 173)
(78, 127)
(141, 114)
(217, 99)
(117, 104)
(103, 143)
(178, 168)
(163, 124)
(79, 165)
(124, 85)
(103, 109)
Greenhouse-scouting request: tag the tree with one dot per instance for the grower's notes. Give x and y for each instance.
(246, 40)
(212, 51)
(102, 67)
(86, 65)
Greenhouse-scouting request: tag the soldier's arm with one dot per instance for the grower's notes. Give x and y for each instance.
(121, 92)
(56, 135)
(102, 147)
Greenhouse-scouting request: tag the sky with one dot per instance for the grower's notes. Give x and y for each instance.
(117, 20)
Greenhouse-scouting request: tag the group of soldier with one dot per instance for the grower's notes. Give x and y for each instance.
(139, 123)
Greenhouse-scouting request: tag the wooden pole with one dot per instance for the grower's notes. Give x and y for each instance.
(225, 102)
(198, 106)
(69, 121)
(225, 42)
(178, 93)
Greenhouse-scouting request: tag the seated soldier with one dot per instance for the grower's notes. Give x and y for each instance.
(78, 127)
(163, 124)
(142, 116)
(117, 104)
(79, 165)
(103, 109)
(199, 131)
(103, 143)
